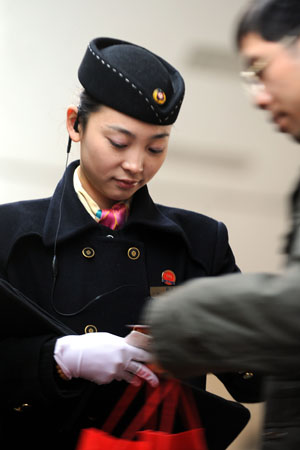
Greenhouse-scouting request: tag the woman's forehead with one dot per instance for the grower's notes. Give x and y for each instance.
(115, 121)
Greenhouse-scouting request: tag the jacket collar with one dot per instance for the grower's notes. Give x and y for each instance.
(66, 215)
(143, 212)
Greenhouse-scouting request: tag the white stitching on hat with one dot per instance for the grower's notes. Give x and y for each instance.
(134, 86)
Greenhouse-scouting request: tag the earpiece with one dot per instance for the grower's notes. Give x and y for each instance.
(76, 123)
(75, 126)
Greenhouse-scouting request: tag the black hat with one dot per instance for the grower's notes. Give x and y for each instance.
(132, 80)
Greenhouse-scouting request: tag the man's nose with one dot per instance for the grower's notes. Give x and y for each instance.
(261, 97)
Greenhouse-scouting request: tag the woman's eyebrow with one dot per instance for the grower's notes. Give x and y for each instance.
(160, 135)
(121, 130)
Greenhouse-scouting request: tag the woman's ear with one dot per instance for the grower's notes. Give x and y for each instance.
(74, 133)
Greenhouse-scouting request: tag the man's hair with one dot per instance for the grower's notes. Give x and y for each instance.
(271, 19)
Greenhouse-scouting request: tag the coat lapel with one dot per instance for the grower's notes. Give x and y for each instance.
(65, 200)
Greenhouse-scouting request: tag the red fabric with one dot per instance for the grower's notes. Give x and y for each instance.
(171, 395)
(94, 439)
(115, 217)
(189, 440)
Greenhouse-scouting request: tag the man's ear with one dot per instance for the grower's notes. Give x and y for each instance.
(74, 133)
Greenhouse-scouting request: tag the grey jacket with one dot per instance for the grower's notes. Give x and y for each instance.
(237, 322)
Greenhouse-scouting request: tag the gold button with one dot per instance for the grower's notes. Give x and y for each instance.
(88, 252)
(22, 407)
(133, 253)
(90, 329)
(247, 375)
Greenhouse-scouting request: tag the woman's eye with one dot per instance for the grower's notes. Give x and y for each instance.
(155, 150)
(117, 144)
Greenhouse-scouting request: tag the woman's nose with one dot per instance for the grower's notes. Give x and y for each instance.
(133, 161)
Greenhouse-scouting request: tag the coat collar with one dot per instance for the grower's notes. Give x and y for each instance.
(63, 204)
(143, 212)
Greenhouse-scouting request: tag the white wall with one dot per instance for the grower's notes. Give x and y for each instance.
(225, 160)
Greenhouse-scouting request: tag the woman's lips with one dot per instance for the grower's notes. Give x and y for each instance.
(127, 184)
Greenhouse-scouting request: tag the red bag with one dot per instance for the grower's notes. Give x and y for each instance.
(192, 439)
(170, 394)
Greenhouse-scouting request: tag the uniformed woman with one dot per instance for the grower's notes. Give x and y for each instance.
(90, 256)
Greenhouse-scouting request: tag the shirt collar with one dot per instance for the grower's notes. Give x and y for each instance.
(89, 204)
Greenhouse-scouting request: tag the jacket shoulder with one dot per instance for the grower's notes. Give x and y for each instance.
(187, 220)
(23, 213)
(18, 219)
(207, 239)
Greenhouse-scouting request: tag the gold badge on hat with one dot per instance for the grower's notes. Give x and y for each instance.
(159, 96)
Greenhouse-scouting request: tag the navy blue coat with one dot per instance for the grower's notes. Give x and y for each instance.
(98, 280)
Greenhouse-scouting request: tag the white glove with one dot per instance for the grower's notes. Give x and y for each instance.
(102, 358)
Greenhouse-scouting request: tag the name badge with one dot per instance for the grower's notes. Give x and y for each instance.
(158, 290)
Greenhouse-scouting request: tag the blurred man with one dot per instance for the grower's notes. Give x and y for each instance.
(237, 322)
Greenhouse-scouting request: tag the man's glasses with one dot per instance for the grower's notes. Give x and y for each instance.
(252, 76)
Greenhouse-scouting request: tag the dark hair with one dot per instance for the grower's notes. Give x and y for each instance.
(271, 19)
(87, 105)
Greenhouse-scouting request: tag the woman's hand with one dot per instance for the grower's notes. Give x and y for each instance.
(102, 358)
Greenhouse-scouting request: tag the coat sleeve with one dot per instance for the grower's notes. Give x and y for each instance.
(223, 260)
(28, 374)
(229, 323)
